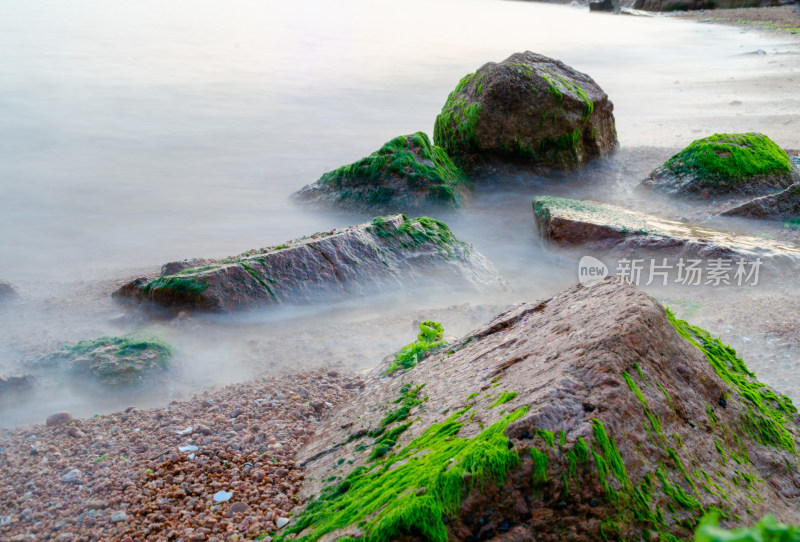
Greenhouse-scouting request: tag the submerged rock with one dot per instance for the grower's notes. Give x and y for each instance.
(592, 415)
(385, 254)
(114, 361)
(16, 384)
(784, 205)
(726, 164)
(6, 291)
(406, 174)
(530, 111)
(596, 225)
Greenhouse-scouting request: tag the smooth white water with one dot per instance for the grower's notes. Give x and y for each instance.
(136, 133)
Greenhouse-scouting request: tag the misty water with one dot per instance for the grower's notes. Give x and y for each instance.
(139, 133)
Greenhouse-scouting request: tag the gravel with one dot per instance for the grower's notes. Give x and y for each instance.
(122, 476)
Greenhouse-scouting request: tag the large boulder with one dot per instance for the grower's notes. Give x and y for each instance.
(406, 174)
(595, 414)
(530, 111)
(602, 226)
(113, 361)
(385, 254)
(785, 205)
(726, 164)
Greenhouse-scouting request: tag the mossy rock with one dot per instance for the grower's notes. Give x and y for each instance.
(529, 111)
(592, 415)
(407, 174)
(721, 164)
(114, 361)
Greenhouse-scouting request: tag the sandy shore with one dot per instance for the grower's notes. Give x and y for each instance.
(216, 467)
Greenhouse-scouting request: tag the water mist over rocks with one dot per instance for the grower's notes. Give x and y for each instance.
(216, 134)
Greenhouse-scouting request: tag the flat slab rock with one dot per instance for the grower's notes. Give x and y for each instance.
(785, 205)
(604, 226)
(382, 255)
(586, 416)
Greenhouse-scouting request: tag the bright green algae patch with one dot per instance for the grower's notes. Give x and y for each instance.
(411, 159)
(429, 337)
(410, 492)
(767, 413)
(766, 530)
(454, 128)
(730, 159)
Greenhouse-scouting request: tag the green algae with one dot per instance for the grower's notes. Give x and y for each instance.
(767, 414)
(411, 158)
(730, 159)
(504, 397)
(766, 530)
(560, 85)
(539, 467)
(409, 398)
(415, 232)
(455, 127)
(114, 360)
(412, 491)
(187, 286)
(430, 336)
(655, 421)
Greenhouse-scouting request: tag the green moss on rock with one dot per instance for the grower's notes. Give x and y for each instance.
(413, 491)
(407, 171)
(114, 360)
(722, 163)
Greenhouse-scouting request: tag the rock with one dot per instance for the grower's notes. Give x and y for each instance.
(385, 254)
(173, 268)
(687, 5)
(725, 164)
(59, 418)
(223, 496)
(7, 292)
(529, 112)
(407, 174)
(12, 385)
(74, 432)
(602, 226)
(784, 205)
(518, 448)
(280, 523)
(72, 476)
(238, 508)
(118, 517)
(603, 5)
(114, 361)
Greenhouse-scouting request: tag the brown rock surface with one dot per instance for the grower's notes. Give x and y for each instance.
(387, 253)
(666, 435)
(784, 205)
(530, 111)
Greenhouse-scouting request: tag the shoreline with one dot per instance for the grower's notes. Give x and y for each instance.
(778, 20)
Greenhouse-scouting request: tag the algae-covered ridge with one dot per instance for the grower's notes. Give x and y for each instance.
(624, 221)
(410, 233)
(411, 158)
(731, 159)
(417, 489)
